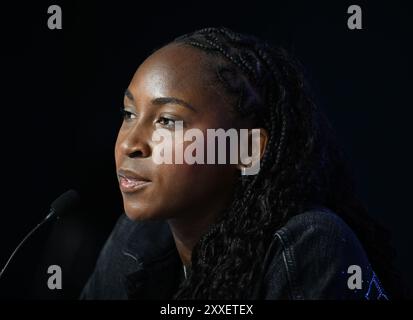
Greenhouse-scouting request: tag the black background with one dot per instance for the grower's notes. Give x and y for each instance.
(62, 89)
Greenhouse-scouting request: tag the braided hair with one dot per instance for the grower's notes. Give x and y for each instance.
(301, 166)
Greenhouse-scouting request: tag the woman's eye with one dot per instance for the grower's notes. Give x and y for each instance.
(127, 115)
(166, 122)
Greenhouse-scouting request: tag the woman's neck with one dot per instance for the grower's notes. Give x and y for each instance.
(187, 232)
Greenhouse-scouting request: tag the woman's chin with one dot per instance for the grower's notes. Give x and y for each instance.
(135, 215)
(140, 214)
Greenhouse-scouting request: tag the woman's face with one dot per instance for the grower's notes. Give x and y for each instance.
(172, 84)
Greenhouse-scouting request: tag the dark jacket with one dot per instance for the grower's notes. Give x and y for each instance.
(309, 258)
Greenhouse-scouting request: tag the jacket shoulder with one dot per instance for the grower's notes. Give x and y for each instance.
(122, 255)
(314, 255)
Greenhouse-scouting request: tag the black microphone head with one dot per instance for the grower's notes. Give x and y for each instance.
(66, 202)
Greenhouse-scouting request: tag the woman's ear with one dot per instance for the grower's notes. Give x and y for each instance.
(257, 144)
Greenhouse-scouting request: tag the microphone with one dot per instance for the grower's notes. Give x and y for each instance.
(64, 204)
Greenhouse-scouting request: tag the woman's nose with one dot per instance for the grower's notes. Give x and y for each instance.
(135, 144)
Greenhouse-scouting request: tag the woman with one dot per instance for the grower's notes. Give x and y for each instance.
(294, 230)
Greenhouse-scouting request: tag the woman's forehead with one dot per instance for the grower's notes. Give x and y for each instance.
(174, 63)
(177, 70)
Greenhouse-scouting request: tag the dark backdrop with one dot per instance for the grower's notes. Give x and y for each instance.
(61, 91)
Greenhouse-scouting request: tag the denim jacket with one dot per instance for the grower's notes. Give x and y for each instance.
(315, 255)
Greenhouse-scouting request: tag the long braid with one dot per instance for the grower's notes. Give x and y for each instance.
(267, 85)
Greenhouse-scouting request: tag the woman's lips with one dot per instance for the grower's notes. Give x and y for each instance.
(128, 184)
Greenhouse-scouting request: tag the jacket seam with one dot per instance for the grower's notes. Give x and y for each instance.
(290, 264)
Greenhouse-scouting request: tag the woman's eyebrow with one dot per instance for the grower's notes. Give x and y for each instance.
(166, 100)
(129, 95)
(163, 100)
